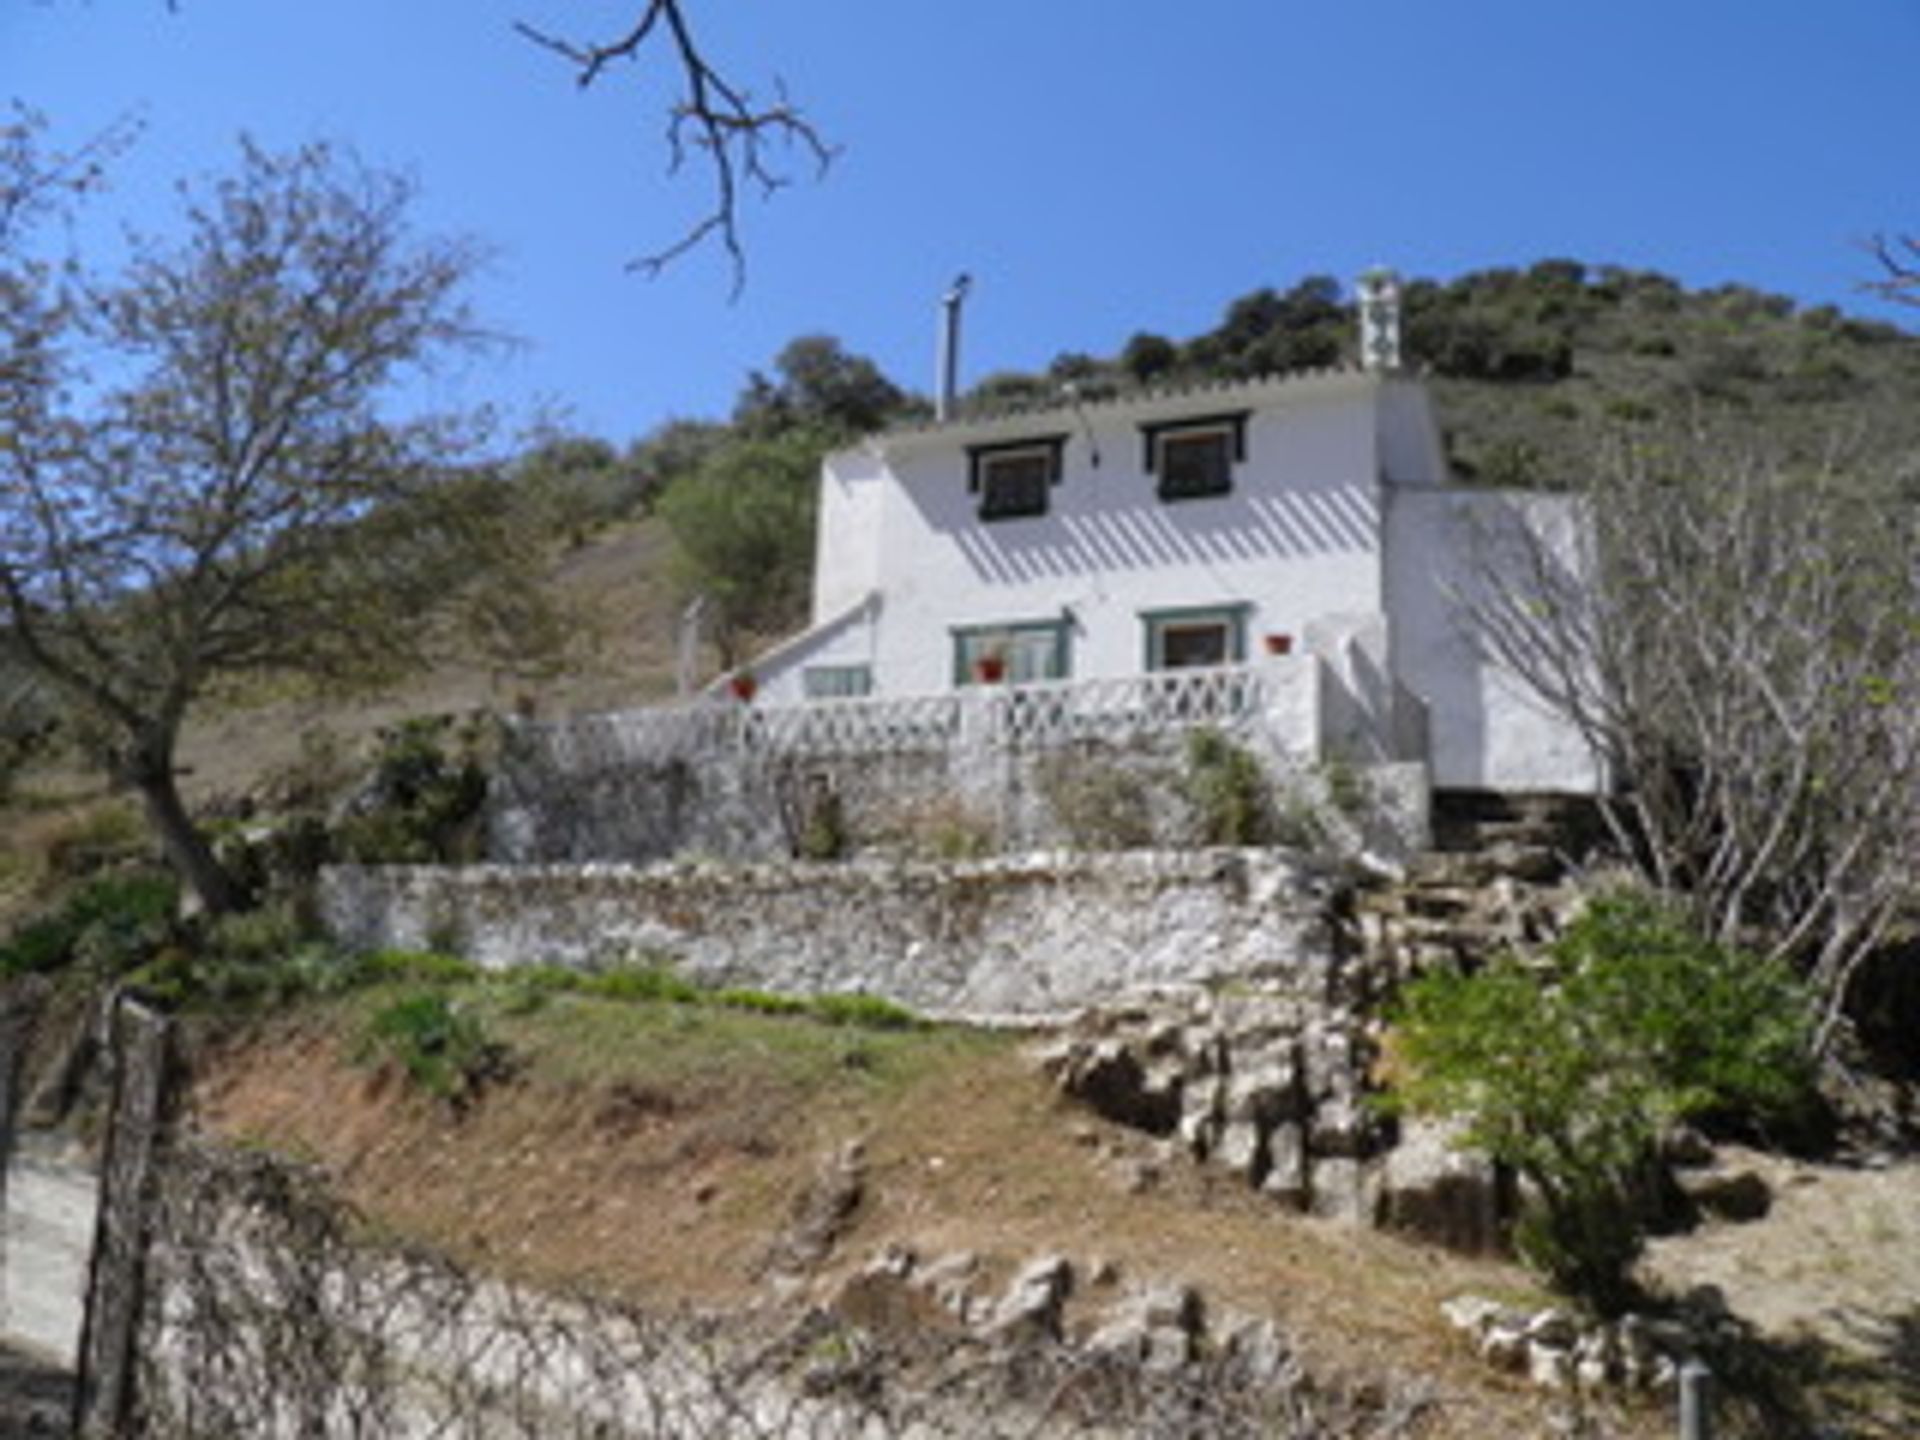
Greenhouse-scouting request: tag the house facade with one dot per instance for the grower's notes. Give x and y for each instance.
(1302, 530)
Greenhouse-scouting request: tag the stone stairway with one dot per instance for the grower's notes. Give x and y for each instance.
(1499, 876)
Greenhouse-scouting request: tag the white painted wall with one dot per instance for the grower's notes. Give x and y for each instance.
(1487, 730)
(1299, 535)
(1340, 531)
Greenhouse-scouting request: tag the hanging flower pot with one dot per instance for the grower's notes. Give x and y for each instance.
(990, 669)
(1278, 644)
(744, 686)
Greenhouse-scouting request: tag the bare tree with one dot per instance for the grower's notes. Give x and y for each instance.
(227, 491)
(735, 133)
(1737, 643)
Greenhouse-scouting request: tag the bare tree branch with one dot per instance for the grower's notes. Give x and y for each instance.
(735, 133)
(1899, 257)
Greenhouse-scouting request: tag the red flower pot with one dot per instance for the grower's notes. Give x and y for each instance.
(1279, 644)
(744, 686)
(989, 669)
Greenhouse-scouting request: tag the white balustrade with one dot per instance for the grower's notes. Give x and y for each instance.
(1037, 714)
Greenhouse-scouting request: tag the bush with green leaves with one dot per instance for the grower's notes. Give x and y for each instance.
(1569, 1070)
(424, 802)
(109, 924)
(439, 1044)
(1231, 799)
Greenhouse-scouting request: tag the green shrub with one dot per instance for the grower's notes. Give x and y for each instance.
(441, 1047)
(110, 923)
(642, 982)
(425, 800)
(430, 967)
(1570, 1070)
(760, 1002)
(1228, 792)
(864, 1012)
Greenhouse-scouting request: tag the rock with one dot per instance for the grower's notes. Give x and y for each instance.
(1256, 1350)
(1725, 1193)
(1108, 1077)
(1175, 1306)
(1549, 1366)
(1340, 1127)
(1033, 1301)
(1286, 1177)
(949, 1281)
(1160, 1328)
(1341, 1189)
(1438, 1192)
(1241, 1150)
(1504, 1346)
(822, 1212)
(1201, 1103)
(1472, 1313)
(1685, 1146)
(1554, 1328)
(1264, 1094)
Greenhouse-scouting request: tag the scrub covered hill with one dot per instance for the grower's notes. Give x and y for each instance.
(1530, 363)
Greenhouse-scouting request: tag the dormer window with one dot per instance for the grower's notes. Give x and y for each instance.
(1194, 458)
(1012, 477)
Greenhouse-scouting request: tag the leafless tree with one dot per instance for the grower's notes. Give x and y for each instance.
(228, 491)
(736, 134)
(1735, 639)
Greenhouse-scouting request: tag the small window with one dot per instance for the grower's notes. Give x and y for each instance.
(1010, 654)
(1194, 458)
(1012, 477)
(1182, 639)
(836, 682)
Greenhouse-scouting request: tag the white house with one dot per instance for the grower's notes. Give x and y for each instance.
(1301, 529)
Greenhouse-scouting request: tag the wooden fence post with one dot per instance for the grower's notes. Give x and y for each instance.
(139, 1044)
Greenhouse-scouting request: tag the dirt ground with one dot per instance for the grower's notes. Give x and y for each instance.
(673, 1193)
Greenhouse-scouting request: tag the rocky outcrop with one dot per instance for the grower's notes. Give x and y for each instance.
(1260, 1084)
(1558, 1350)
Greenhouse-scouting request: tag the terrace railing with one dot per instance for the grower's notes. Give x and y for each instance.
(1058, 712)
(1032, 715)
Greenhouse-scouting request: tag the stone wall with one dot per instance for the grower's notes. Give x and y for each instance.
(1026, 939)
(1081, 765)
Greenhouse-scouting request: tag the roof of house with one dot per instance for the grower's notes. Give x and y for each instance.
(1170, 399)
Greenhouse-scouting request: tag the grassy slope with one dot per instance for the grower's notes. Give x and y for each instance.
(656, 1150)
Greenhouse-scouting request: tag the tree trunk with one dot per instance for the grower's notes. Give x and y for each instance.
(185, 847)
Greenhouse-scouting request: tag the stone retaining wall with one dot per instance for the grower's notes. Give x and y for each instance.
(1022, 939)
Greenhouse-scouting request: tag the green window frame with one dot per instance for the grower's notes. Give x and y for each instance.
(1030, 650)
(1168, 635)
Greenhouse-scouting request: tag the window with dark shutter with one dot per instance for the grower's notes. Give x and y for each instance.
(1194, 458)
(1012, 477)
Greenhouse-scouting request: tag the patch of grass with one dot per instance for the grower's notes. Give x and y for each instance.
(440, 1044)
(641, 982)
(761, 1002)
(867, 1012)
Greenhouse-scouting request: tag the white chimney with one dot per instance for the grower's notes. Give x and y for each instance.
(1379, 291)
(946, 380)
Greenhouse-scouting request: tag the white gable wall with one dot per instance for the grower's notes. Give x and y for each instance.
(1487, 730)
(1298, 536)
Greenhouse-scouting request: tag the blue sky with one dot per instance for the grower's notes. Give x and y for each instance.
(1100, 166)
